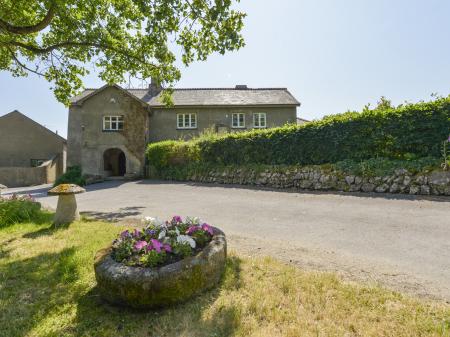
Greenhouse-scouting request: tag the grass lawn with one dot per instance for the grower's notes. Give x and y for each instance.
(47, 288)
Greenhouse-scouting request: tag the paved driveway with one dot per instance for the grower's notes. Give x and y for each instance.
(401, 241)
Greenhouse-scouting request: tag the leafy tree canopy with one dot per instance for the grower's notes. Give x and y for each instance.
(62, 39)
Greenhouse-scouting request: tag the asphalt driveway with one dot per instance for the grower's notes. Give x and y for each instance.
(401, 241)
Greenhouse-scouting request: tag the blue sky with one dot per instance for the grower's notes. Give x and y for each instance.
(332, 55)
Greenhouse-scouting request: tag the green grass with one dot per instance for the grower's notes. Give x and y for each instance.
(47, 288)
(19, 211)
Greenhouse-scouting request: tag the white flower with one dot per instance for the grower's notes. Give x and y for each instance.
(162, 234)
(192, 220)
(148, 220)
(186, 239)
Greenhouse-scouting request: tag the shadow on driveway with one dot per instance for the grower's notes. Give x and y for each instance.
(121, 214)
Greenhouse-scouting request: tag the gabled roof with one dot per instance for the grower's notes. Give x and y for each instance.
(240, 96)
(86, 94)
(28, 119)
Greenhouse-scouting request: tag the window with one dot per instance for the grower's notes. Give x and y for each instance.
(259, 120)
(36, 162)
(187, 121)
(238, 120)
(112, 123)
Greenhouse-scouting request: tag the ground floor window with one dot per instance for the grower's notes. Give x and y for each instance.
(259, 120)
(238, 120)
(36, 162)
(112, 123)
(187, 121)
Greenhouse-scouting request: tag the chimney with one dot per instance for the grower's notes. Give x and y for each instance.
(154, 87)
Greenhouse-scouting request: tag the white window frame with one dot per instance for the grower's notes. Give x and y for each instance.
(187, 120)
(259, 120)
(238, 115)
(117, 120)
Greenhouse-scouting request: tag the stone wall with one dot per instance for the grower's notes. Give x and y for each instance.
(307, 178)
(47, 173)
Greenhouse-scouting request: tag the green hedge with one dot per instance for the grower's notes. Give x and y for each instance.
(406, 132)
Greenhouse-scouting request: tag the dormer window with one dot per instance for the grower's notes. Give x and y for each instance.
(112, 123)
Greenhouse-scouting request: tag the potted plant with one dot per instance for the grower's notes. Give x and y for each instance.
(163, 263)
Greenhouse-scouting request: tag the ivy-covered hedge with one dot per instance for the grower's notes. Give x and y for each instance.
(405, 132)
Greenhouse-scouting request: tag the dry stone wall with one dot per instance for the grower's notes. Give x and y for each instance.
(401, 181)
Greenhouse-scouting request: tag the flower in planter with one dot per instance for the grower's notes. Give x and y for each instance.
(159, 242)
(186, 239)
(207, 228)
(140, 245)
(177, 219)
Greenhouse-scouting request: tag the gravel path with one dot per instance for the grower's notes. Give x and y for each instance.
(400, 241)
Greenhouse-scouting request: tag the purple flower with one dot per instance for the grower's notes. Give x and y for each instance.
(177, 219)
(156, 245)
(448, 140)
(140, 244)
(125, 234)
(150, 232)
(167, 248)
(137, 233)
(208, 228)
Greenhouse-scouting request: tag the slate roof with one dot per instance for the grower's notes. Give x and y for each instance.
(28, 119)
(210, 97)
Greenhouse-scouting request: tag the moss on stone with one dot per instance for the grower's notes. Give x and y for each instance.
(149, 288)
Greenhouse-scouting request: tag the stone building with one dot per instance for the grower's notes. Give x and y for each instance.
(110, 127)
(30, 154)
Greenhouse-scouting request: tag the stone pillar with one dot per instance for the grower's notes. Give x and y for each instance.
(67, 210)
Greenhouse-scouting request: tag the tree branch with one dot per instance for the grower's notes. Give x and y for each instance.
(70, 44)
(23, 65)
(22, 30)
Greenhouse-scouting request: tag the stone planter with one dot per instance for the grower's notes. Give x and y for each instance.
(146, 288)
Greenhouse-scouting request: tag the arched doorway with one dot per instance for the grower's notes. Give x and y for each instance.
(115, 162)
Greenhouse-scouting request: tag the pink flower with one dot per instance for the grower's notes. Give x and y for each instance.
(140, 244)
(192, 229)
(167, 248)
(208, 228)
(156, 245)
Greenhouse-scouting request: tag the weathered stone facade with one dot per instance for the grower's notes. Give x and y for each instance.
(314, 178)
(87, 142)
(146, 120)
(30, 154)
(163, 120)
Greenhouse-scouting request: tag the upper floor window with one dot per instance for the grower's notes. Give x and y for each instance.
(259, 120)
(112, 123)
(187, 121)
(238, 120)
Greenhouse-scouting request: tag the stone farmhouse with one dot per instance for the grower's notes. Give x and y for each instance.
(110, 127)
(30, 154)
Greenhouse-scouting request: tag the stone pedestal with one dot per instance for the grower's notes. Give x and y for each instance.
(67, 210)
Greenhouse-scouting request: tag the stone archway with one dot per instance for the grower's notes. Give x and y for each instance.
(114, 162)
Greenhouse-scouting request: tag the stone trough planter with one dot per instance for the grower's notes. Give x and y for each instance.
(146, 288)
